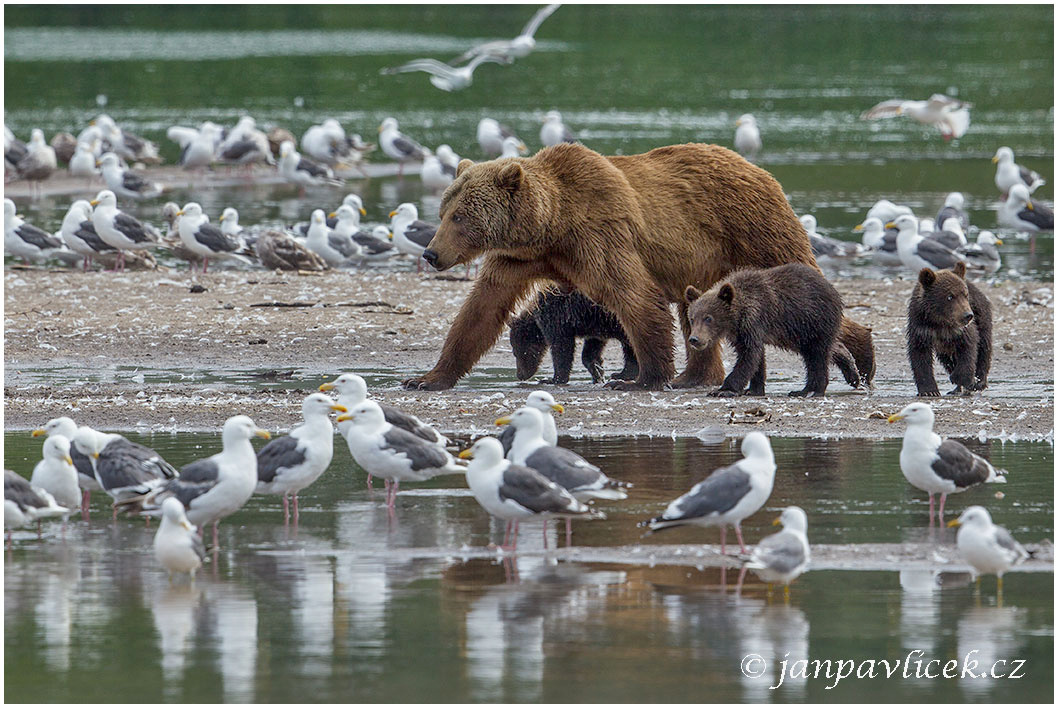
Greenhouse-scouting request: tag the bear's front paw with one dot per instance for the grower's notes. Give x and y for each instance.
(981, 385)
(755, 392)
(624, 376)
(960, 391)
(424, 384)
(622, 385)
(929, 392)
(807, 393)
(553, 381)
(685, 383)
(725, 393)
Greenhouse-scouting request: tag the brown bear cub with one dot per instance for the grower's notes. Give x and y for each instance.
(793, 307)
(951, 317)
(555, 321)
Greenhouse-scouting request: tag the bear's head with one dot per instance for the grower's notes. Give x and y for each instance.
(711, 314)
(528, 345)
(478, 213)
(944, 297)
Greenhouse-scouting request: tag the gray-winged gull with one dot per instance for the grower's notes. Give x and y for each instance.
(518, 47)
(782, 557)
(204, 239)
(880, 241)
(545, 403)
(491, 134)
(916, 251)
(983, 255)
(987, 547)
(397, 145)
(86, 474)
(445, 76)
(25, 504)
(554, 131)
(1021, 213)
(301, 171)
(948, 115)
(410, 234)
(954, 205)
(335, 248)
(177, 546)
(124, 182)
(120, 230)
(747, 136)
(56, 473)
(38, 163)
(1009, 173)
(26, 240)
(122, 468)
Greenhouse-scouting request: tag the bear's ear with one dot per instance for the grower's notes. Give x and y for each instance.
(726, 294)
(926, 277)
(463, 165)
(959, 269)
(510, 178)
(692, 294)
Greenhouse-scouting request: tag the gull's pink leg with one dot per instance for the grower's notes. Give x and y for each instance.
(940, 513)
(723, 539)
(931, 509)
(738, 533)
(545, 535)
(569, 532)
(286, 510)
(215, 534)
(86, 496)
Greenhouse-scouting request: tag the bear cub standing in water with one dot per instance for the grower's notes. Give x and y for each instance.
(793, 307)
(951, 317)
(556, 320)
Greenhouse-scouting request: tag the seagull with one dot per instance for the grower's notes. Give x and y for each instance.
(25, 504)
(445, 76)
(56, 473)
(1009, 173)
(989, 548)
(886, 211)
(388, 452)
(202, 238)
(953, 207)
(782, 557)
(86, 475)
(516, 48)
(397, 145)
(435, 178)
(515, 492)
(491, 135)
(334, 248)
(747, 136)
(301, 171)
(410, 235)
(128, 146)
(124, 182)
(198, 148)
(64, 145)
(917, 252)
(950, 234)
(245, 145)
(324, 142)
(543, 402)
(728, 496)
(1021, 213)
(950, 116)
(554, 131)
(512, 148)
(560, 465)
(983, 255)
(373, 247)
(292, 462)
(277, 249)
(177, 546)
(229, 220)
(880, 241)
(935, 465)
(214, 487)
(26, 240)
(83, 163)
(38, 163)
(352, 391)
(14, 150)
(118, 229)
(122, 468)
(824, 246)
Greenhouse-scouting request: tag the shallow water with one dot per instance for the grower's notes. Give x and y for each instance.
(353, 606)
(626, 78)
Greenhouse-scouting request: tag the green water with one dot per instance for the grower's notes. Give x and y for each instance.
(354, 607)
(627, 79)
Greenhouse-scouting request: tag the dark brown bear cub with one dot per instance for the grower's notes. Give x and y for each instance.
(951, 317)
(792, 307)
(556, 320)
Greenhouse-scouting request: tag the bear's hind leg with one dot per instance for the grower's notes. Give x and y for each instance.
(817, 370)
(840, 356)
(631, 367)
(756, 384)
(591, 357)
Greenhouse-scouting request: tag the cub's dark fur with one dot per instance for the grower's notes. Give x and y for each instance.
(556, 320)
(951, 317)
(791, 306)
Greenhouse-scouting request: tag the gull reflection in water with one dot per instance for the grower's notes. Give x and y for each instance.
(173, 611)
(235, 629)
(990, 636)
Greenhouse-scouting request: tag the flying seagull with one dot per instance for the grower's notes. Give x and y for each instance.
(510, 49)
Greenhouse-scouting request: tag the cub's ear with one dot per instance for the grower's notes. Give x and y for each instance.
(926, 277)
(691, 294)
(726, 294)
(959, 269)
(463, 165)
(510, 178)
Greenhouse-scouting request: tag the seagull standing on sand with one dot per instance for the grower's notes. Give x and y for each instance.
(83, 163)
(334, 248)
(782, 557)
(38, 163)
(1009, 173)
(410, 235)
(444, 76)
(987, 547)
(1021, 213)
(229, 222)
(728, 496)
(983, 255)
(939, 466)
(123, 232)
(86, 475)
(950, 116)
(747, 136)
(124, 182)
(510, 49)
(177, 546)
(916, 251)
(373, 246)
(292, 462)
(202, 238)
(397, 145)
(515, 492)
(388, 452)
(26, 240)
(554, 131)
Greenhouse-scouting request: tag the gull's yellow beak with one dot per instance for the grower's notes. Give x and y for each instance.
(738, 122)
(389, 235)
(503, 421)
(180, 213)
(559, 408)
(345, 417)
(995, 158)
(261, 433)
(187, 525)
(890, 225)
(954, 523)
(220, 220)
(69, 460)
(363, 212)
(393, 213)
(96, 456)
(858, 227)
(776, 522)
(339, 407)
(94, 202)
(999, 242)
(326, 386)
(894, 418)
(380, 129)
(38, 432)
(99, 163)
(92, 122)
(1028, 206)
(467, 454)
(332, 215)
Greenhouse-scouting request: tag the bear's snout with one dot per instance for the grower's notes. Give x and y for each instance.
(967, 317)
(694, 341)
(430, 257)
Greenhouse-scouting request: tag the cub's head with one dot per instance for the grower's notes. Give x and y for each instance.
(944, 296)
(528, 345)
(710, 314)
(477, 212)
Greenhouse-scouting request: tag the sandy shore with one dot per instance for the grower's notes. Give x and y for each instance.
(141, 351)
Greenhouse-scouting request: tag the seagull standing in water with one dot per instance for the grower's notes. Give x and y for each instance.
(1009, 173)
(491, 134)
(124, 182)
(782, 557)
(397, 145)
(747, 136)
(177, 546)
(1021, 213)
(989, 548)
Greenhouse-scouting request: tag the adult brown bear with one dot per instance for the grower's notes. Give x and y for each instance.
(630, 232)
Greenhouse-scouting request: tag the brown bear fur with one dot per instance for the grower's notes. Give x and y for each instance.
(951, 317)
(791, 306)
(630, 232)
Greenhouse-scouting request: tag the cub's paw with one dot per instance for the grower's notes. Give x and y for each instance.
(725, 393)
(685, 383)
(623, 385)
(756, 392)
(808, 393)
(929, 392)
(553, 381)
(423, 384)
(960, 391)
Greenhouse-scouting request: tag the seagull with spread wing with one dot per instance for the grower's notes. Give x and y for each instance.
(950, 116)
(510, 49)
(444, 76)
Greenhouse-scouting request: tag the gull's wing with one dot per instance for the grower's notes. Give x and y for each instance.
(885, 109)
(542, 14)
(431, 66)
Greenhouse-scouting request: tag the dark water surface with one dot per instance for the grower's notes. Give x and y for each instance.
(356, 607)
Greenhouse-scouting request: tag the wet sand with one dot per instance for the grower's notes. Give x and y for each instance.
(141, 351)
